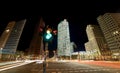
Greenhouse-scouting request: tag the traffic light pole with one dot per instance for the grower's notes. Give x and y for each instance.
(44, 66)
(45, 56)
(47, 37)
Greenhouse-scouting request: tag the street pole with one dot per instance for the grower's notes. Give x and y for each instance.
(47, 38)
(44, 63)
(44, 67)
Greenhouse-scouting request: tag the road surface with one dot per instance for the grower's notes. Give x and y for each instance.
(62, 67)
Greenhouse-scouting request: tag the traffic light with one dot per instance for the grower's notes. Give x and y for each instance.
(48, 35)
(55, 32)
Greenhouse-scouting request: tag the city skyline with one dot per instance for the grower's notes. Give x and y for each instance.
(78, 20)
(60, 36)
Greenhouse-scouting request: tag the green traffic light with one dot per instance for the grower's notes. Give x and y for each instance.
(48, 36)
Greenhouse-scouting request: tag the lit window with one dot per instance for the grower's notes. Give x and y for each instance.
(116, 32)
(7, 30)
(1, 48)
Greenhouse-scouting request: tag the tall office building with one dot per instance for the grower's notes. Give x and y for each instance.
(12, 40)
(110, 25)
(36, 46)
(6, 34)
(96, 43)
(88, 47)
(63, 46)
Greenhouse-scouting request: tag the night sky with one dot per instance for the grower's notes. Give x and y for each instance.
(78, 15)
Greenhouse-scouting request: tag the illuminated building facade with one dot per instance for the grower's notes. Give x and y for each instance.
(88, 47)
(11, 39)
(110, 25)
(63, 46)
(73, 45)
(5, 35)
(96, 44)
(36, 46)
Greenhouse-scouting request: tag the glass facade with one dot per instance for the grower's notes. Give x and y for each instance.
(13, 39)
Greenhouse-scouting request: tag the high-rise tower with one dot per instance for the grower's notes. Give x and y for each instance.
(96, 44)
(63, 46)
(11, 39)
(5, 35)
(36, 46)
(110, 25)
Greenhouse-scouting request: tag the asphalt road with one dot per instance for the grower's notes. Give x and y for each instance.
(62, 67)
